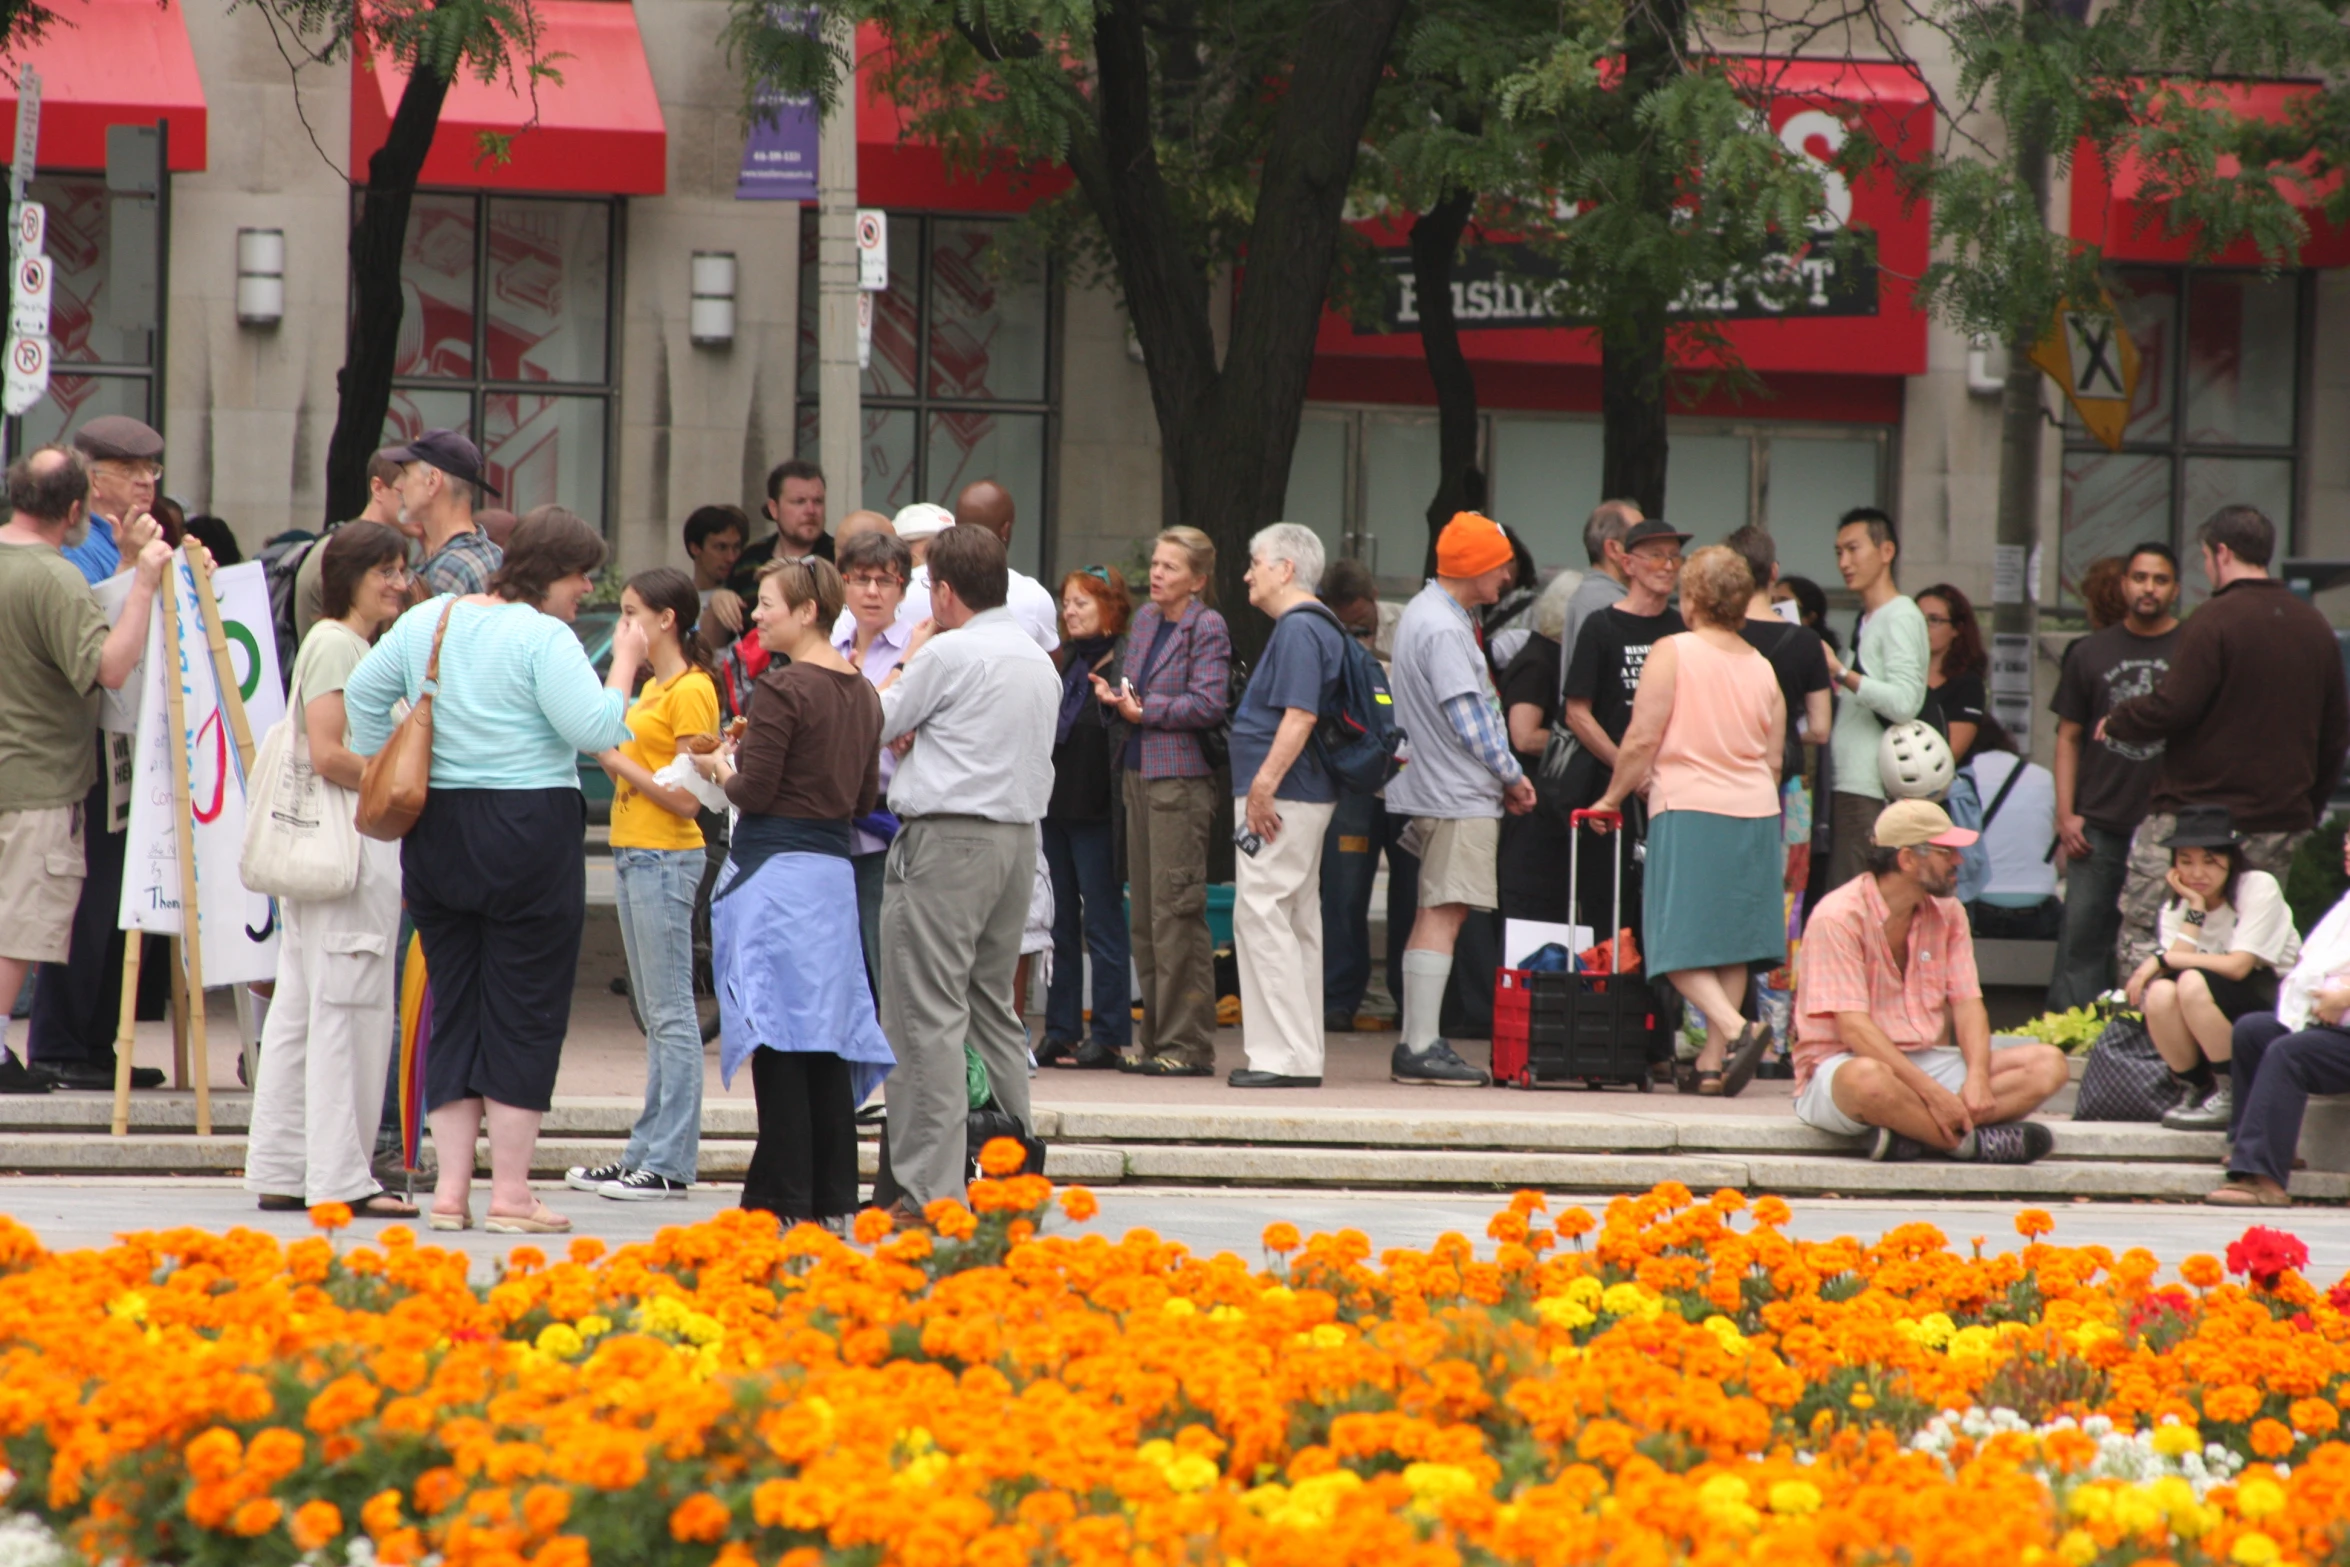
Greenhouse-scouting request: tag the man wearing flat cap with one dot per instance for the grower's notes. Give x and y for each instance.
(439, 472)
(125, 461)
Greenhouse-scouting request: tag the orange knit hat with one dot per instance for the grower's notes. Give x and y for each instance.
(1471, 545)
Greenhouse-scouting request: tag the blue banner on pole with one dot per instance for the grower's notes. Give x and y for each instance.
(779, 158)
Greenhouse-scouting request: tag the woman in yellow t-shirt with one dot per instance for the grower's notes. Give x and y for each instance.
(657, 867)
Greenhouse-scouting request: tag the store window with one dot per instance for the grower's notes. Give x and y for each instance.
(106, 299)
(1361, 478)
(2214, 420)
(962, 380)
(506, 334)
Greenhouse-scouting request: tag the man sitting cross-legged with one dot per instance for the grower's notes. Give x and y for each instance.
(1890, 1036)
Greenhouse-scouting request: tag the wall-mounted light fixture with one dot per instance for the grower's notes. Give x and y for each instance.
(261, 276)
(711, 319)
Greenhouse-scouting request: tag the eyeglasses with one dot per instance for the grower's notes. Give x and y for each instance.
(130, 468)
(873, 579)
(1940, 620)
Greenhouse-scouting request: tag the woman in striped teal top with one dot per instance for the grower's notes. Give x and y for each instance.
(495, 871)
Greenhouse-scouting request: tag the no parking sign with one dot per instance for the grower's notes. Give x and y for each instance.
(28, 373)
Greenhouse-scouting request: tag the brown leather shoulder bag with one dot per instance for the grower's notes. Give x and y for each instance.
(396, 779)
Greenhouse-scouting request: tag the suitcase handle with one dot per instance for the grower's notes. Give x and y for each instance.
(1595, 818)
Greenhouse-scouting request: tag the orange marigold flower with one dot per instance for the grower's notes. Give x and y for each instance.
(330, 1216)
(565, 1550)
(1079, 1204)
(258, 1515)
(275, 1453)
(734, 1554)
(2314, 1416)
(872, 1225)
(2069, 1450)
(545, 1508)
(2033, 1223)
(215, 1455)
(1281, 1238)
(437, 1489)
(2234, 1404)
(701, 1519)
(950, 1218)
(345, 1400)
(585, 1249)
(1001, 1156)
(1508, 1226)
(381, 1514)
(314, 1524)
(1575, 1223)
(2273, 1438)
(802, 1556)
(2202, 1270)
(1771, 1212)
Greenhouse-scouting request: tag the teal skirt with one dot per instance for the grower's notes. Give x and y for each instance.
(1712, 892)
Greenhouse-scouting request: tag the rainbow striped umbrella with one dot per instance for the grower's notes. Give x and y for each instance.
(415, 1039)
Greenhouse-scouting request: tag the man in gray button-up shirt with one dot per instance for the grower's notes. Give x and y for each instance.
(978, 698)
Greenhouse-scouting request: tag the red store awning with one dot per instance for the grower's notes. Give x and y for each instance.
(1864, 327)
(599, 130)
(2109, 209)
(112, 62)
(896, 169)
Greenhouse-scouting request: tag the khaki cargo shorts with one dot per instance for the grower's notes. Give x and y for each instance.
(41, 870)
(1459, 861)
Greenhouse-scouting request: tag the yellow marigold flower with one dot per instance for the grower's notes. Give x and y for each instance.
(1313, 1502)
(700, 1519)
(700, 1328)
(1192, 1472)
(314, 1524)
(2078, 1548)
(2091, 1503)
(2174, 1439)
(1177, 1306)
(131, 1306)
(2254, 1550)
(1563, 1311)
(2260, 1497)
(1327, 1335)
(1630, 1300)
(593, 1325)
(1726, 1334)
(559, 1339)
(2135, 1510)
(1794, 1498)
(1862, 1398)
(257, 1516)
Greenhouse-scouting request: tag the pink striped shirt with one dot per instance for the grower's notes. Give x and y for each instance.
(1847, 966)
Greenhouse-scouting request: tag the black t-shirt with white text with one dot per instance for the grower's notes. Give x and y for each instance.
(1610, 653)
(2101, 671)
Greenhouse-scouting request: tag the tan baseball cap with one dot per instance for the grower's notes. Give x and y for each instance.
(1906, 824)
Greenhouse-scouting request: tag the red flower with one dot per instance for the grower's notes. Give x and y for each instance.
(2339, 1298)
(2264, 1255)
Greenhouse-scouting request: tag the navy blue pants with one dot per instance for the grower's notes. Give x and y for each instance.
(2273, 1073)
(1089, 915)
(496, 881)
(1360, 831)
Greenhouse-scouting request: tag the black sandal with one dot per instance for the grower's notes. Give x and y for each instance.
(1685, 1077)
(1709, 1081)
(383, 1205)
(275, 1202)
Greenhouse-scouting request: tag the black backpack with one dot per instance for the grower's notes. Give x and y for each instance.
(1357, 733)
(281, 567)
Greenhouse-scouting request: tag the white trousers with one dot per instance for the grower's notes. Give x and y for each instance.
(328, 1042)
(1277, 936)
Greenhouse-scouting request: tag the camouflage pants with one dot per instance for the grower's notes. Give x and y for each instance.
(2143, 888)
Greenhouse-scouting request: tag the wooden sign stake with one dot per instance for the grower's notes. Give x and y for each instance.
(126, 1030)
(183, 822)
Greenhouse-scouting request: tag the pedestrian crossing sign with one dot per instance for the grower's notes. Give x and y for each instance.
(2090, 354)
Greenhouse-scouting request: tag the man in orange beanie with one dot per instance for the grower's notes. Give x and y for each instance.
(1459, 777)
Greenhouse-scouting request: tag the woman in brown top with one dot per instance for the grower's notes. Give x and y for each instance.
(792, 996)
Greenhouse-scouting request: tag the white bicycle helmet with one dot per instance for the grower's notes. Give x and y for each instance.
(1914, 761)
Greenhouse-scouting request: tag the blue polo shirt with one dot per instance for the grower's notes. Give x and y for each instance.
(98, 556)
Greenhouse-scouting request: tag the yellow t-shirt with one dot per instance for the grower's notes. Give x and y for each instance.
(687, 705)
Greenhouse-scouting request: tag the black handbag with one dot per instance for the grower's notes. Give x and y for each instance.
(2126, 1078)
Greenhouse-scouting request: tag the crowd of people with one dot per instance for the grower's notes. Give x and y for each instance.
(871, 784)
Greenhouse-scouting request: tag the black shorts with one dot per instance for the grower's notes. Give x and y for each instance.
(2255, 992)
(496, 881)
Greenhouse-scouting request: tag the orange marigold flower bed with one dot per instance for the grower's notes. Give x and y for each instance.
(1669, 1380)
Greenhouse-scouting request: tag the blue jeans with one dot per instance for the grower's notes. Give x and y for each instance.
(1089, 915)
(2273, 1073)
(655, 889)
(2092, 918)
(1350, 864)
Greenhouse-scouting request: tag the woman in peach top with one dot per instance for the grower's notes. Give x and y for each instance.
(1706, 739)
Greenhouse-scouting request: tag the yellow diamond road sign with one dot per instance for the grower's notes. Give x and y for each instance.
(2089, 353)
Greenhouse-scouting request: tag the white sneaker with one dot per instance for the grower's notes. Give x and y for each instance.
(584, 1178)
(643, 1186)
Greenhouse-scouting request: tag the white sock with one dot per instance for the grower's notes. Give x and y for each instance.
(1425, 974)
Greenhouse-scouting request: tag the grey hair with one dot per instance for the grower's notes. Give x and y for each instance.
(1550, 610)
(1295, 544)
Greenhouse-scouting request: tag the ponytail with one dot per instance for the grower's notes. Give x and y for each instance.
(667, 588)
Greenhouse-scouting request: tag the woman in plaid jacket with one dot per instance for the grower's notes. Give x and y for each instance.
(1178, 664)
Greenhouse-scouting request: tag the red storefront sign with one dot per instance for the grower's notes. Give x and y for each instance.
(2109, 208)
(1843, 326)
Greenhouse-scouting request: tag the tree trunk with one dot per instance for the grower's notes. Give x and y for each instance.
(364, 384)
(1436, 240)
(1228, 430)
(1632, 402)
(2018, 533)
